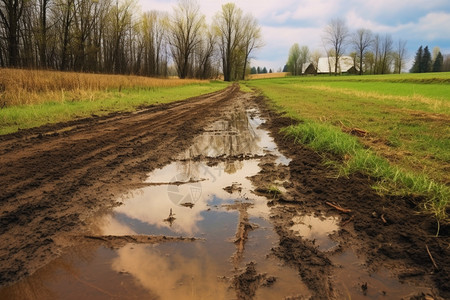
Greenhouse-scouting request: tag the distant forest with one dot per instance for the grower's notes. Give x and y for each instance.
(111, 36)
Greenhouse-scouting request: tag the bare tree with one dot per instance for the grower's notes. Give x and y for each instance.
(386, 54)
(315, 56)
(251, 39)
(184, 34)
(446, 63)
(336, 34)
(65, 9)
(83, 22)
(42, 37)
(227, 25)
(204, 55)
(362, 40)
(400, 55)
(369, 62)
(376, 47)
(153, 33)
(10, 16)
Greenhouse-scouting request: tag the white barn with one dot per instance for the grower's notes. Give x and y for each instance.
(326, 65)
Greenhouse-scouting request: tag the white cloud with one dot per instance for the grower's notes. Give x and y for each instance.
(374, 8)
(287, 36)
(355, 21)
(316, 10)
(278, 40)
(434, 26)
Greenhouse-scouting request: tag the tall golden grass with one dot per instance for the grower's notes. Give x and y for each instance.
(36, 86)
(268, 75)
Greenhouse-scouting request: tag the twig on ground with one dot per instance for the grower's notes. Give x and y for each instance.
(348, 221)
(383, 219)
(431, 257)
(344, 210)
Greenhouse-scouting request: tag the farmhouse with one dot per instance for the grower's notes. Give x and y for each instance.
(345, 66)
(309, 69)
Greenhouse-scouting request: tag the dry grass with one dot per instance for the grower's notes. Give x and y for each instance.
(34, 86)
(434, 104)
(268, 75)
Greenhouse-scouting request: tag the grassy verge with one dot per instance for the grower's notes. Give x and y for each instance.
(356, 158)
(404, 120)
(97, 102)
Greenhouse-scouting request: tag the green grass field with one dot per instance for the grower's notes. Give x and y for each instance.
(97, 102)
(393, 127)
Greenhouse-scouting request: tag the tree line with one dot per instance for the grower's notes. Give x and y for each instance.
(110, 36)
(259, 70)
(371, 53)
(425, 62)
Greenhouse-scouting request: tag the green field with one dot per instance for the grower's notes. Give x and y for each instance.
(393, 127)
(99, 103)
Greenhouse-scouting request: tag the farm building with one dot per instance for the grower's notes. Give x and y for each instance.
(345, 66)
(309, 69)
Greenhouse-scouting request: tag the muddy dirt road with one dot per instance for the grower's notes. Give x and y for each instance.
(202, 198)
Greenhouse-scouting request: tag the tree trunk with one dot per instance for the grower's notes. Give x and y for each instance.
(360, 63)
(43, 34)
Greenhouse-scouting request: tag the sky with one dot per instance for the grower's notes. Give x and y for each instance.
(285, 22)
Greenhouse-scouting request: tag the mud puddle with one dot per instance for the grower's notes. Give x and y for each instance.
(350, 277)
(204, 193)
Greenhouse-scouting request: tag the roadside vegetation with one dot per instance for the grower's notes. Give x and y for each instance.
(34, 98)
(394, 127)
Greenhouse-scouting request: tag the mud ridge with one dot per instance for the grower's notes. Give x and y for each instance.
(247, 282)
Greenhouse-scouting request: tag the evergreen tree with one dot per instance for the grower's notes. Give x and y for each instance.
(438, 63)
(253, 70)
(426, 61)
(270, 71)
(258, 71)
(285, 68)
(264, 71)
(417, 61)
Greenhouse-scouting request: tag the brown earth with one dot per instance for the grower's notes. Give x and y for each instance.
(54, 178)
(389, 231)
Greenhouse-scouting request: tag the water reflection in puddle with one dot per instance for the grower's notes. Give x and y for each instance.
(145, 210)
(351, 280)
(316, 229)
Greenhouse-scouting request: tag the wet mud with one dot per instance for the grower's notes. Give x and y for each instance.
(380, 247)
(202, 199)
(55, 178)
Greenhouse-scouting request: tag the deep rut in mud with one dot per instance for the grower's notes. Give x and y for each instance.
(190, 200)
